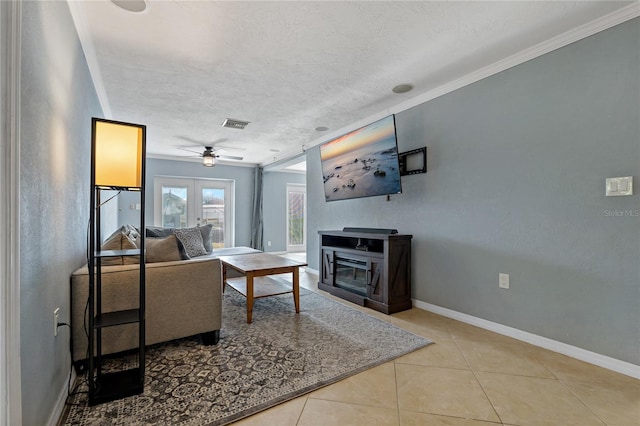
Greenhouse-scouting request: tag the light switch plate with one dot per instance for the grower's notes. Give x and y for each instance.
(503, 280)
(619, 186)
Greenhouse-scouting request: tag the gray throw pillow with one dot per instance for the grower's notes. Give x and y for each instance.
(131, 231)
(206, 232)
(158, 232)
(191, 239)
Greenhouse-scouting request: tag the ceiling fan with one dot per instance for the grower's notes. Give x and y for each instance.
(209, 156)
(214, 144)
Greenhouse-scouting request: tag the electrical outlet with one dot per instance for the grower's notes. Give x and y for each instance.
(56, 314)
(503, 281)
(269, 243)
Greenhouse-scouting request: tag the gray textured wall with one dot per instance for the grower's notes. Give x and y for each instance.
(274, 207)
(243, 177)
(58, 101)
(516, 179)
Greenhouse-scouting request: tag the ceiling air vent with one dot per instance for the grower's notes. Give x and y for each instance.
(234, 124)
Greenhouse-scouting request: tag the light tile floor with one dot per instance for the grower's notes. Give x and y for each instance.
(469, 377)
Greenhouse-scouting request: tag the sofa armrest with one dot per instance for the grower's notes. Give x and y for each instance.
(183, 298)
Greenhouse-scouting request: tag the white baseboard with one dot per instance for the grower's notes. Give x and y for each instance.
(603, 361)
(312, 271)
(58, 409)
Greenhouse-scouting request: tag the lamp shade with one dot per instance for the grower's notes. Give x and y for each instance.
(118, 151)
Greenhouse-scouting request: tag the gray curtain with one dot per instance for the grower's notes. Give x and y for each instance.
(256, 218)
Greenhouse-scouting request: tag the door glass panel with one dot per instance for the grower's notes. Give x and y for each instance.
(189, 202)
(174, 206)
(296, 218)
(213, 213)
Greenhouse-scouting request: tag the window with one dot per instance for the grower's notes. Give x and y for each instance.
(188, 202)
(296, 217)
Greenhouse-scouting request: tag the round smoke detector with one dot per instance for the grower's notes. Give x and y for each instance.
(136, 6)
(402, 88)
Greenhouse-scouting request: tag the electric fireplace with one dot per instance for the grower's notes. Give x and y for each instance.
(368, 267)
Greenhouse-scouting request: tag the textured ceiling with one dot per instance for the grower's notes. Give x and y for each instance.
(182, 67)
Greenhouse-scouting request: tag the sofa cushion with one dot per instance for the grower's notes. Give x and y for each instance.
(162, 249)
(191, 239)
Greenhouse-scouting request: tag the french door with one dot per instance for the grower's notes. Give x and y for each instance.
(188, 202)
(296, 217)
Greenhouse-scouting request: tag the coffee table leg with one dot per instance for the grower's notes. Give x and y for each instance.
(249, 298)
(296, 289)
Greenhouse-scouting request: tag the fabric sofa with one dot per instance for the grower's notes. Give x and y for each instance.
(183, 297)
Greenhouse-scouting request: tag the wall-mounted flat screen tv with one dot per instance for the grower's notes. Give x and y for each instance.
(362, 163)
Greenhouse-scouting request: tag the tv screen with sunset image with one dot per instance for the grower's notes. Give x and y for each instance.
(362, 163)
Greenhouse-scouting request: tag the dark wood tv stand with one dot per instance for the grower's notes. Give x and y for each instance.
(368, 268)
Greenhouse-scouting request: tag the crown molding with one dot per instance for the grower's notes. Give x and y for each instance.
(610, 20)
(82, 28)
(590, 28)
(615, 18)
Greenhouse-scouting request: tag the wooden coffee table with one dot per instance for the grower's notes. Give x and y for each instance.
(257, 282)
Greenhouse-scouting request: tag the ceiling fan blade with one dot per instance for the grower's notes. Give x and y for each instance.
(236, 148)
(203, 142)
(229, 157)
(188, 150)
(188, 139)
(218, 153)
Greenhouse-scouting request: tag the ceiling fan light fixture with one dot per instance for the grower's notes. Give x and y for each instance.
(208, 159)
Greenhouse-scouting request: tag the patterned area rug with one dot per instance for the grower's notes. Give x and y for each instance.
(255, 366)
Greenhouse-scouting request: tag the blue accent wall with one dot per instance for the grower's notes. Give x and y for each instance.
(58, 100)
(516, 184)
